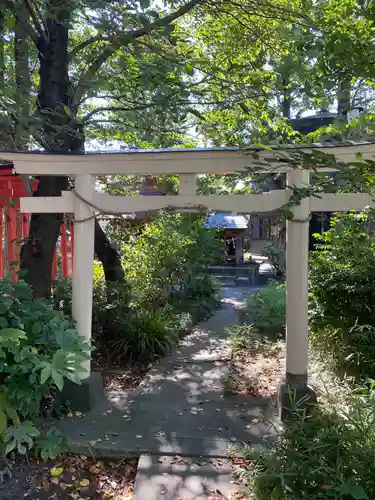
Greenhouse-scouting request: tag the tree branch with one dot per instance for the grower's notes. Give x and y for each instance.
(38, 25)
(25, 26)
(127, 38)
(84, 44)
(93, 112)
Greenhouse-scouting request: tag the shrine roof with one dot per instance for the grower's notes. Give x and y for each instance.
(227, 221)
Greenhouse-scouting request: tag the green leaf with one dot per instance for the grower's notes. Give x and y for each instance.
(58, 379)
(21, 449)
(45, 374)
(36, 328)
(189, 69)
(67, 110)
(3, 322)
(3, 421)
(355, 491)
(9, 447)
(11, 334)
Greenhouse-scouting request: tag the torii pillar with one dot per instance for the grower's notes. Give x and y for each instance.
(293, 389)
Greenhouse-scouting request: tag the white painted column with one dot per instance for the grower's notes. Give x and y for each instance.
(187, 185)
(83, 261)
(297, 247)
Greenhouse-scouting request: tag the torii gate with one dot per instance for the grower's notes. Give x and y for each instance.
(187, 163)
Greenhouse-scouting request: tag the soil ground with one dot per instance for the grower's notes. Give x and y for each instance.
(70, 478)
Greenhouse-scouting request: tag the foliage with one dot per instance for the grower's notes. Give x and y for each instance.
(51, 444)
(39, 349)
(168, 253)
(342, 298)
(265, 309)
(320, 456)
(145, 334)
(199, 288)
(276, 256)
(245, 336)
(110, 303)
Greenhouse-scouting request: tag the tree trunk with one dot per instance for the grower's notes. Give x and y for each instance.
(61, 133)
(37, 252)
(2, 50)
(343, 96)
(108, 256)
(286, 105)
(23, 83)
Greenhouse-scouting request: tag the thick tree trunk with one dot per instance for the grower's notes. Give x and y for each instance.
(37, 252)
(108, 256)
(23, 83)
(61, 133)
(2, 50)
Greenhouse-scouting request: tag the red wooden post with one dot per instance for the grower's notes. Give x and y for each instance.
(72, 242)
(1, 243)
(25, 225)
(54, 266)
(64, 251)
(11, 243)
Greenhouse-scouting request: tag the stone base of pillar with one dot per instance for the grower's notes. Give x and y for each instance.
(293, 396)
(85, 396)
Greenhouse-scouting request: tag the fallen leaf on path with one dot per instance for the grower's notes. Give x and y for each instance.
(56, 471)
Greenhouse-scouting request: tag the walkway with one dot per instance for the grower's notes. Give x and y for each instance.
(178, 410)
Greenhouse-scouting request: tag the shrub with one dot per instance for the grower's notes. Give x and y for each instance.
(265, 309)
(323, 455)
(39, 349)
(342, 293)
(169, 252)
(110, 303)
(199, 288)
(342, 277)
(243, 336)
(145, 334)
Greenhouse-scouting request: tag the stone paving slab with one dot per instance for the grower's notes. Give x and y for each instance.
(175, 427)
(180, 408)
(171, 478)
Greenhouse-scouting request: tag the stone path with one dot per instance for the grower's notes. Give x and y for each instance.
(178, 410)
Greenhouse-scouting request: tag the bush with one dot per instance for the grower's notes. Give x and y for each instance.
(145, 334)
(342, 293)
(39, 349)
(200, 288)
(265, 309)
(342, 278)
(165, 257)
(323, 455)
(110, 303)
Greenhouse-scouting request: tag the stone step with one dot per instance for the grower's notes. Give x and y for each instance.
(233, 270)
(228, 280)
(171, 478)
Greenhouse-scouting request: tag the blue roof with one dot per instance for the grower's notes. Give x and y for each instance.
(227, 221)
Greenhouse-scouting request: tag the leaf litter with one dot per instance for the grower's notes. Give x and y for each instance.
(71, 478)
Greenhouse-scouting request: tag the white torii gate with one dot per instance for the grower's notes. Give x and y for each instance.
(187, 163)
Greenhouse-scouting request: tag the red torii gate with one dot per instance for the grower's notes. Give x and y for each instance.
(14, 227)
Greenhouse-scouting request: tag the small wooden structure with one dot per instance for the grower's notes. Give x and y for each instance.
(232, 230)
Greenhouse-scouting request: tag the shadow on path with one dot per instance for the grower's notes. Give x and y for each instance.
(180, 408)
